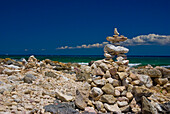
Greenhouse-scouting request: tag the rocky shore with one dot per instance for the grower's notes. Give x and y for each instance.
(104, 86)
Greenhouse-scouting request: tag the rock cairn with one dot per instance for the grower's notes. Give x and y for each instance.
(113, 49)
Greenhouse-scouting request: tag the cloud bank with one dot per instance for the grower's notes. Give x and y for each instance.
(96, 45)
(151, 39)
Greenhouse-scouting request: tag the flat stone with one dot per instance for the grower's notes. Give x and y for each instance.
(51, 74)
(161, 81)
(122, 103)
(62, 96)
(112, 108)
(165, 72)
(110, 99)
(108, 88)
(154, 73)
(28, 107)
(79, 100)
(120, 88)
(100, 82)
(29, 78)
(125, 108)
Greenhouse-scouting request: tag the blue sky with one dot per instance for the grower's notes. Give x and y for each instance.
(41, 26)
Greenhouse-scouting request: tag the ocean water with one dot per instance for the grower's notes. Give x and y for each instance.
(85, 59)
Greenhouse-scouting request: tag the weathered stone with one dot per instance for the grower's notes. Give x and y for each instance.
(108, 88)
(129, 95)
(126, 81)
(51, 74)
(161, 81)
(167, 87)
(165, 72)
(113, 71)
(96, 93)
(116, 93)
(61, 108)
(6, 87)
(130, 88)
(122, 68)
(29, 78)
(146, 80)
(112, 108)
(122, 103)
(10, 72)
(79, 100)
(99, 82)
(103, 66)
(122, 75)
(110, 99)
(147, 107)
(116, 83)
(110, 80)
(133, 76)
(97, 71)
(82, 75)
(136, 83)
(32, 59)
(122, 99)
(120, 88)
(135, 107)
(99, 105)
(62, 96)
(139, 91)
(28, 107)
(107, 75)
(154, 73)
(125, 108)
(90, 110)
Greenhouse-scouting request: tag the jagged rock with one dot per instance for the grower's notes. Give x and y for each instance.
(125, 108)
(32, 59)
(61, 108)
(126, 81)
(154, 73)
(161, 81)
(79, 100)
(113, 71)
(62, 96)
(82, 75)
(108, 88)
(51, 74)
(103, 66)
(112, 108)
(165, 107)
(122, 103)
(122, 68)
(122, 75)
(99, 82)
(130, 88)
(147, 107)
(110, 80)
(107, 74)
(120, 88)
(129, 95)
(167, 87)
(165, 72)
(133, 76)
(99, 105)
(140, 91)
(1, 70)
(136, 83)
(116, 93)
(110, 99)
(135, 107)
(89, 110)
(29, 78)
(96, 93)
(6, 87)
(146, 80)
(116, 83)
(97, 71)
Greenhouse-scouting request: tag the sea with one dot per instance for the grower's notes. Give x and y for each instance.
(134, 61)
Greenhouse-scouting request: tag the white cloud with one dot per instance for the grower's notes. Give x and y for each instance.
(151, 39)
(96, 45)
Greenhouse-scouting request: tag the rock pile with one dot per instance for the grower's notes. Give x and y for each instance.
(117, 88)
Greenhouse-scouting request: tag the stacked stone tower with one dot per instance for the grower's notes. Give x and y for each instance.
(113, 49)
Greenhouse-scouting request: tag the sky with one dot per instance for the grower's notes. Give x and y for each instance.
(45, 26)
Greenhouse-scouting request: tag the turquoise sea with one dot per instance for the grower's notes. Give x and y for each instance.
(84, 59)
